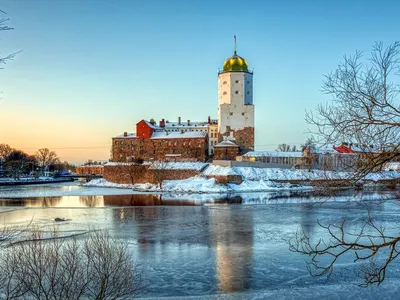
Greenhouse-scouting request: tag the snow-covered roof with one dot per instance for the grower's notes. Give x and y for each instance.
(273, 153)
(90, 166)
(151, 125)
(129, 135)
(178, 135)
(176, 125)
(195, 166)
(226, 143)
(169, 135)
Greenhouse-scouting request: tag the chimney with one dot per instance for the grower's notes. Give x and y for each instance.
(179, 120)
(125, 134)
(188, 122)
(152, 121)
(162, 123)
(209, 120)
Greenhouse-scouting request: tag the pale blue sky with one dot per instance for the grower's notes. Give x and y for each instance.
(90, 70)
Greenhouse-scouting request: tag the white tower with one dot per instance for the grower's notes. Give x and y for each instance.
(235, 102)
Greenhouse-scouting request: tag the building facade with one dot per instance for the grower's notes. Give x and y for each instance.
(226, 150)
(235, 103)
(196, 140)
(152, 142)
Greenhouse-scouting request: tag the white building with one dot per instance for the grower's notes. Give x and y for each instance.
(210, 126)
(235, 108)
(235, 102)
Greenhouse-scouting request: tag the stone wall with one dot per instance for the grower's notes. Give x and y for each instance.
(89, 170)
(225, 153)
(130, 173)
(194, 149)
(224, 179)
(244, 138)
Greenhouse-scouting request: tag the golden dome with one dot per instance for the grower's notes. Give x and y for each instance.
(235, 63)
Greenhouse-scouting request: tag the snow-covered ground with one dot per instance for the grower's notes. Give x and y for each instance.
(256, 174)
(200, 185)
(254, 179)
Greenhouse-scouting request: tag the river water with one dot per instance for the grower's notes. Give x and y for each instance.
(214, 246)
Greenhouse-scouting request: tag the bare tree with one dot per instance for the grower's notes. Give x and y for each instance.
(5, 151)
(159, 171)
(16, 163)
(45, 158)
(365, 109)
(5, 27)
(54, 267)
(132, 170)
(286, 148)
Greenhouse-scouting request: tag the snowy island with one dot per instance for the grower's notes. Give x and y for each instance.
(210, 178)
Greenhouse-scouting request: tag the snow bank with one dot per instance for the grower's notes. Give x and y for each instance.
(148, 187)
(268, 174)
(199, 185)
(195, 166)
(193, 185)
(215, 170)
(208, 185)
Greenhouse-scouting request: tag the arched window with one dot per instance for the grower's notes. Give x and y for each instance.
(224, 93)
(224, 82)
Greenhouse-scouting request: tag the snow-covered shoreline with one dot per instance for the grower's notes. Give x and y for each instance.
(201, 185)
(254, 180)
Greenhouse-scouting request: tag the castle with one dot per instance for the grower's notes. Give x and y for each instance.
(230, 135)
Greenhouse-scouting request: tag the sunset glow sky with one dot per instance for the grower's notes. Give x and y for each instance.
(90, 70)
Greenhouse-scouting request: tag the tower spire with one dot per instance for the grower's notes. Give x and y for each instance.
(234, 45)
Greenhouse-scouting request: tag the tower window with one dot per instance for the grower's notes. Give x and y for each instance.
(237, 81)
(248, 82)
(224, 82)
(236, 92)
(248, 93)
(225, 93)
(231, 114)
(243, 113)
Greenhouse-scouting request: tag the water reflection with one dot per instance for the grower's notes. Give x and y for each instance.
(232, 231)
(60, 201)
(198, 244)
(121, 200)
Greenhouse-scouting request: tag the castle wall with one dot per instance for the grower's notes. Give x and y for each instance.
(190, 149)
(130, 173)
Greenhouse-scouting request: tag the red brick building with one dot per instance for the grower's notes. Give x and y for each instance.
(226, 150)
(152, 142)
(90, 170)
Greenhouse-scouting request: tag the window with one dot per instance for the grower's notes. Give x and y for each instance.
(243, 114)
(248, 82)
(248, 93)
(236, 92)
(231, 114)
(224, 82)
(237, 81)
(224, 93)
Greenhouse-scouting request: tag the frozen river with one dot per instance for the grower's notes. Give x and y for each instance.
(212, 246)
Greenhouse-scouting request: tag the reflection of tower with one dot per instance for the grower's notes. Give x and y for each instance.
(232, 231)
(235, 102)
